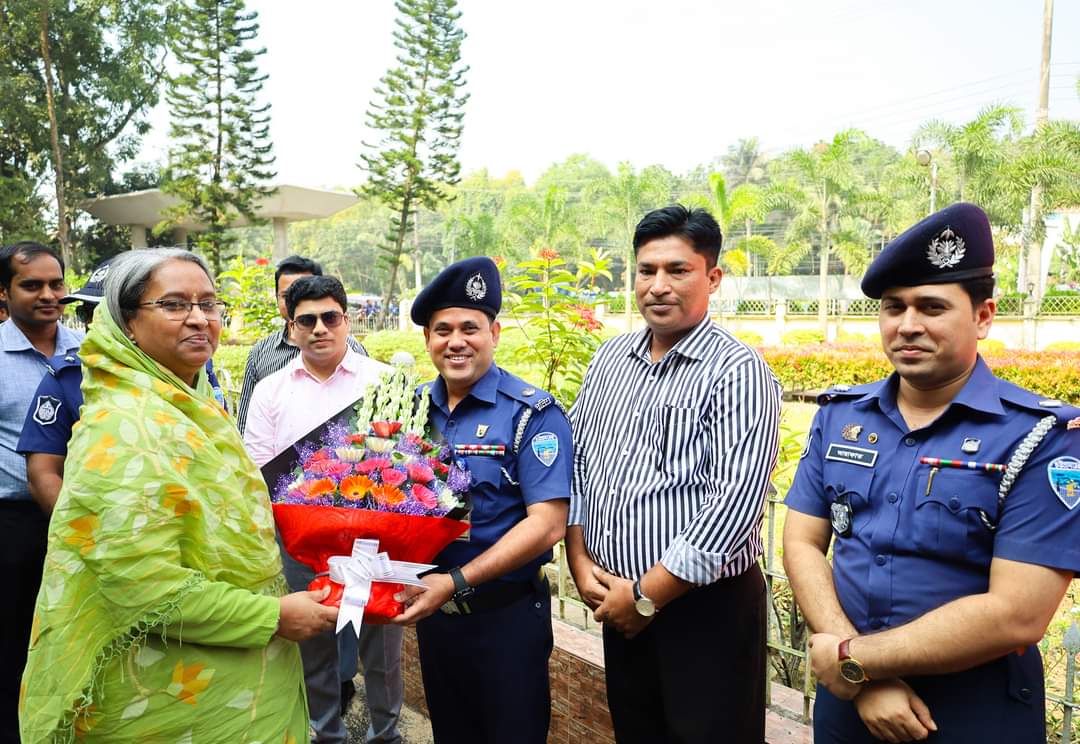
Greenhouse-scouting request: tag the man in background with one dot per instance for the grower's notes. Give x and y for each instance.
(273, 352)
(31, 283)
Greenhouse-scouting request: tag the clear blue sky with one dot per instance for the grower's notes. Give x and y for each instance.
(671, 82)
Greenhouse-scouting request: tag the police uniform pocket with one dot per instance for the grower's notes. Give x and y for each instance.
(952, 508)
(847, 489)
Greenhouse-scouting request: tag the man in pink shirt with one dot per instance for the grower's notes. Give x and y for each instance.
(325, 378)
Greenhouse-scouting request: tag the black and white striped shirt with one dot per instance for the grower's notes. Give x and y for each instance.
(672, 458)
(267, 356)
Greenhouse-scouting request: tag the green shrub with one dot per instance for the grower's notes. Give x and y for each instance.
(987, 345)
(802, 338)
(749, 338)
(1064, 346)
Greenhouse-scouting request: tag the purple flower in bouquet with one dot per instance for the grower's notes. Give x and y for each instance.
(458, 479)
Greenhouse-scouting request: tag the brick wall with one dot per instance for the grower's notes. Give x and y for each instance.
(579, 710)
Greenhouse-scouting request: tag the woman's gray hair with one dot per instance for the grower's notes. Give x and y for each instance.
(131, 272)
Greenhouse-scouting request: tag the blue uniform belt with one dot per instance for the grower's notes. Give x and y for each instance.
(497, 597)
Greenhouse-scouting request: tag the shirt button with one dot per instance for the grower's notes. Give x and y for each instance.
(626, 453)
(840, 487)
(954, 503)
(892, 497)
(876, 624)
(607, 533)
(637, 413)
(910, 442)
(880, 560)
(1025, 693)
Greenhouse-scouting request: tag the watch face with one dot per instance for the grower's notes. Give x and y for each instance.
(852, 671)
(644, 606)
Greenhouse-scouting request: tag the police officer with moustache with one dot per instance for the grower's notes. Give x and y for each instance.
(949, 497)
(484, 625)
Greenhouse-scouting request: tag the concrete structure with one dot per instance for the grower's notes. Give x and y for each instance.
(143, 210)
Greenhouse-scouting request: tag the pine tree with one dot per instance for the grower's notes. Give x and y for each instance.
(419, 113)
(222, 153)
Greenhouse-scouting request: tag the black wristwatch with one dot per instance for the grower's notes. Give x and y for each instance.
(462, 590)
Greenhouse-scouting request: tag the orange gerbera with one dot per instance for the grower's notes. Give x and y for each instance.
(355, 487)
(387, 495)
(320, 487)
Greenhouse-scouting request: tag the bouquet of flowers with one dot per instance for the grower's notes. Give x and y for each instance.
(370, 474)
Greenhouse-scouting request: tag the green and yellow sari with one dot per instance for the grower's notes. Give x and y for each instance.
(159, 602)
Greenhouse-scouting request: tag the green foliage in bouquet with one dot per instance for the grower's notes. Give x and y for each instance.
(555, 307)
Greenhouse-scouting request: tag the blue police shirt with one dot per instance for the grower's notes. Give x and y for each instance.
(21, 369)
(56, 403)
(54, 408)
(504, 485)
(917, 539)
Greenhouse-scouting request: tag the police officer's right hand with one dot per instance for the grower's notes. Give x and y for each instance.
(893, 712)
(303, 617)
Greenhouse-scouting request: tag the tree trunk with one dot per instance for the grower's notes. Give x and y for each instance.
(54, 137)
(1035, 234)
(823, 270)
(399, 246)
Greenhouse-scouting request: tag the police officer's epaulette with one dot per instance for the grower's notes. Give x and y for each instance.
(61, 362)
(1066, 415)
(841, 392)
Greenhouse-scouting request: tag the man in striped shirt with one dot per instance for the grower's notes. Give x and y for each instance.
(275, 351)
(675, 437)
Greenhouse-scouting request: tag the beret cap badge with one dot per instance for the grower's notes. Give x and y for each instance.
(946, 250)
(476, 288)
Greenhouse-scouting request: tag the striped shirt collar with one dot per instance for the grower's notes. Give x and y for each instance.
(693, 345)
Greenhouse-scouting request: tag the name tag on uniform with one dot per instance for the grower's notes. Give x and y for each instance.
(853, 455)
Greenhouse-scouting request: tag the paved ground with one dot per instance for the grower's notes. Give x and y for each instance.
(414, 727)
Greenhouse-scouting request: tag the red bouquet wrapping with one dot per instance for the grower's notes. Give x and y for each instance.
(370, 473)
(312, 534)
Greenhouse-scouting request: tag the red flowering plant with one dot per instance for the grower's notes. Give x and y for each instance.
(370, 473)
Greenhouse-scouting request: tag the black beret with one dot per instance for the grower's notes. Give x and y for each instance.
(473, 283)
(952, 245)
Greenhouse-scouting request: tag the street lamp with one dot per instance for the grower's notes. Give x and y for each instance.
(925, 158)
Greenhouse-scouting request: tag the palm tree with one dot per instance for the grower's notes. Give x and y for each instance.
(744, 163)
(976, 148)
(826, 176)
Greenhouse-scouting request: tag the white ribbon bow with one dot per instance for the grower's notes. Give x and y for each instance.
(356, 572)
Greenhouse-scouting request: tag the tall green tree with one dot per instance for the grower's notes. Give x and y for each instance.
(77, 80)
(744, 162)
(418, 112)
(221, 155)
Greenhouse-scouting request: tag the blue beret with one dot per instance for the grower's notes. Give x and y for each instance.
(473, 283)
(952, 245)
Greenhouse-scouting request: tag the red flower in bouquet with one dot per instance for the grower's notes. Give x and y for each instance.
(355, 487)
(318, 456)
(392, 477)
(440, 468)
(371, 465)
(385, 428)
(312, 490)
(387, 495)
(331, 468)
(425, 496)
(420, 473)
(357, 438)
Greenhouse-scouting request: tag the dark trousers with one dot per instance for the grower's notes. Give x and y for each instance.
(696, 674)
(1001, 701)
(23, 532)
(486, 674)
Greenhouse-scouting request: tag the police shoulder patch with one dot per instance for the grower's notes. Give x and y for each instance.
(1064, 476)
(545, 446)
(47, 409)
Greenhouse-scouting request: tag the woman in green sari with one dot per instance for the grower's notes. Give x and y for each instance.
(163, 615)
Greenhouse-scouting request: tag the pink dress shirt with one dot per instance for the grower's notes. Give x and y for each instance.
(291, 402)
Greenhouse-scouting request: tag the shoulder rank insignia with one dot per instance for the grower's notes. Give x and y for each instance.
(1073, 423)
(851, 432)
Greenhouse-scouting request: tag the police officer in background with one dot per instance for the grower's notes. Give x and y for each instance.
(484, 625)
(57, 400)
(949, 496)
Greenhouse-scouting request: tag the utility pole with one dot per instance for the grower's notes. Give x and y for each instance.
(1033, 236)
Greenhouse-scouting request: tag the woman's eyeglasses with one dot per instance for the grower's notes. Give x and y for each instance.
(330, 319)
(180, 309)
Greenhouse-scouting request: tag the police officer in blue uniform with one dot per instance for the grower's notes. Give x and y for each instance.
(949, 497)
(57, 400)
(484, 627)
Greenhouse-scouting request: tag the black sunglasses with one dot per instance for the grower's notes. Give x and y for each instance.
(330, 319)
